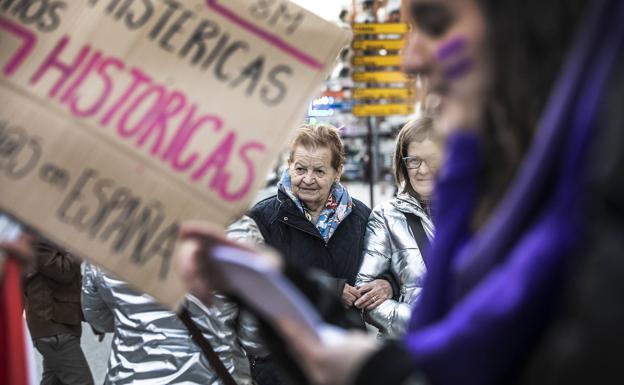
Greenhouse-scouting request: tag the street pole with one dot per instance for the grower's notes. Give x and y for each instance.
(372, 158)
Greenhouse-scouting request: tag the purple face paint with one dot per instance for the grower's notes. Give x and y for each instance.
(453, 59)
(453, 47)
(457, 69)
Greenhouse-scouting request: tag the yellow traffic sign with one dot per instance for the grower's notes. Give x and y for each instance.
(377, 61)
(389, 45)
(382, 93)
(380, 77)
(382, 109)
(379, 28)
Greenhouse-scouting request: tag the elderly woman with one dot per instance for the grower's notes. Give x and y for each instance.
(398, 229)
(313, 222)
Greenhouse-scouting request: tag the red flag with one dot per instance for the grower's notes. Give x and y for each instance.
(13, 359)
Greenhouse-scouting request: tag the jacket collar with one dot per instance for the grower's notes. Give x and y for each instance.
(287, 212)
(406, 203)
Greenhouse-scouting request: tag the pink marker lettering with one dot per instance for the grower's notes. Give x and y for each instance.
(122, 128)
(28, 44)
(272, 39)
(138, 78)
(218, 159)
(108, 85)
(52, 61)
(251, 172)
(173, 105)
(182, 137)
(70, 92)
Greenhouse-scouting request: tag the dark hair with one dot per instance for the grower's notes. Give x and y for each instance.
(417, 130)
(529, 41)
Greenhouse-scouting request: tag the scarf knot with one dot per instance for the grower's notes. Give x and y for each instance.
(337, 207)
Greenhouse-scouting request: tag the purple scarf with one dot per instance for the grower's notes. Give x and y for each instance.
(487, 297)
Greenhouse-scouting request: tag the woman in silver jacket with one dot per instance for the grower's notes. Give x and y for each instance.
(390, 248)
(152, 346)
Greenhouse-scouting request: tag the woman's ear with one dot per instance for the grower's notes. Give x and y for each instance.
(339, 173)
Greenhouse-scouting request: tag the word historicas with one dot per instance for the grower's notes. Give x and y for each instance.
(178, 30)
(145, 112)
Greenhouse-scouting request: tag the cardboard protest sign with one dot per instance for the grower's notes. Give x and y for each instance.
(120, 119)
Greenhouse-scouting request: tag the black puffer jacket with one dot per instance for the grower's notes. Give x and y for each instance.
(286, 229)
(319, 270)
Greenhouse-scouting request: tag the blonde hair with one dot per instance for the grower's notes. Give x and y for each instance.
(313, 136)
(416, 130)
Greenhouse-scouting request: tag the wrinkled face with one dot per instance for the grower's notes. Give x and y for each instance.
(429, 155)
(446, 46)
(312, 175)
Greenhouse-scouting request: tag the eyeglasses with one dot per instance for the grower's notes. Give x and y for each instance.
(414, 163)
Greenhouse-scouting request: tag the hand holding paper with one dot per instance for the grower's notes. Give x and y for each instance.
(208, 261)
(196, 264)
(333, 362)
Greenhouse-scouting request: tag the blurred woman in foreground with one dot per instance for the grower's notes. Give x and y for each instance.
(312, 220)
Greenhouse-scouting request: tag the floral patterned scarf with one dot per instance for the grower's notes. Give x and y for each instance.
(337, 207)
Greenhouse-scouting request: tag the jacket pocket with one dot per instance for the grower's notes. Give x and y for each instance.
(67, 309)
(40, 299)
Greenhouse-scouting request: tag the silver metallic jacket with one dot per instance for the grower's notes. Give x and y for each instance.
(389, 246)
(152, 346)
(245, 230)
